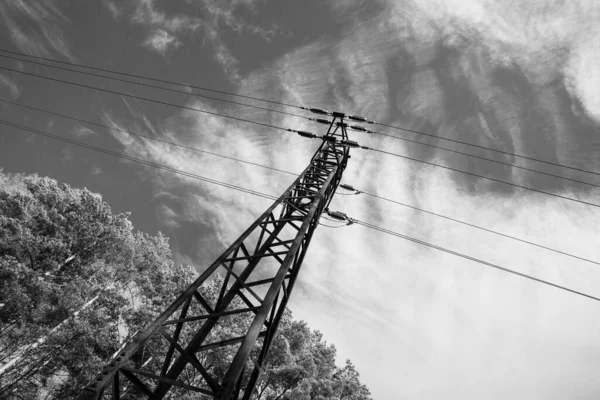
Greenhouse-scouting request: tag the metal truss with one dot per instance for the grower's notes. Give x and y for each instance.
(256, 275)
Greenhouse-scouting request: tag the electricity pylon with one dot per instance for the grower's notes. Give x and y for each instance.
(260, 269)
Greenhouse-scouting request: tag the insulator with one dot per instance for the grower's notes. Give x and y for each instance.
(317, 110)
(338, 114)
(338, 215)
(358, 128)
(320, 120)
(350, 143)
(361, 129)
(306, 134)
(360, 119)
(329, 138)
(347, 187)
(342, 124)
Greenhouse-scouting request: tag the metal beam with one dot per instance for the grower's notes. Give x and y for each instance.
(287, 225)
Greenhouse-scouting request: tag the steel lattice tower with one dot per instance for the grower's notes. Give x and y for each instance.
(260, 269)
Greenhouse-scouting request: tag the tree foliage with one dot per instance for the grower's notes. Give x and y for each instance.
(76, 282)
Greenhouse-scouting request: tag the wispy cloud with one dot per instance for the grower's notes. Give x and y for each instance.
(167, 216)
(221, 136)
(81, 131)
(112, 7)
(547, 39)
(225, 13)
(9, 84)
(488, 73)
(161, 41)
(35, 27)
(227, 61)
(211, 18)
(438, 76)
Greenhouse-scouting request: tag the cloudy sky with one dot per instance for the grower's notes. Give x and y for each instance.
(521, 76)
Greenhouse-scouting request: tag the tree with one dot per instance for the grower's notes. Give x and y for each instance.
(347, 385)
(301, 366)
(76, 282)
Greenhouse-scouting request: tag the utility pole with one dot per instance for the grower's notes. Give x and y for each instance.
(260, 269)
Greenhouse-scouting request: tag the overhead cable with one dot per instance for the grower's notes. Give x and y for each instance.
(155, 87)
(138, 160)
(360, 129)
(335, 215)
(485, 177)
(491, 149)
(144, 99)
(348, 187)
(146, 136)
(292, 106)
(510, 271)
(152, 79)
(485, 158)
(455, 253)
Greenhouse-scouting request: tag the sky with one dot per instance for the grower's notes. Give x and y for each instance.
(520, 76)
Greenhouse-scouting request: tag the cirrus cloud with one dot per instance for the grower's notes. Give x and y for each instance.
(161, 41)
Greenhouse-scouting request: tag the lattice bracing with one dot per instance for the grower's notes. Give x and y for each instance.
(254, 276)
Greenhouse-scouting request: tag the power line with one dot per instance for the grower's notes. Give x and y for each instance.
(478, 227)
(145, 136)
(491, 149)
(282, 171)
(153, 79)
(137, 160)
(155, 87)
(271, 168)
(292, 106)
(271, 126)
(510, 271)
(144, 98)
(291, 114)
(256, 193)
(485, 158)
(485, 177)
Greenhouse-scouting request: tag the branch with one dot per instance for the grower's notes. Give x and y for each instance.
(294, 382)
(43, 339)
(264, 388)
